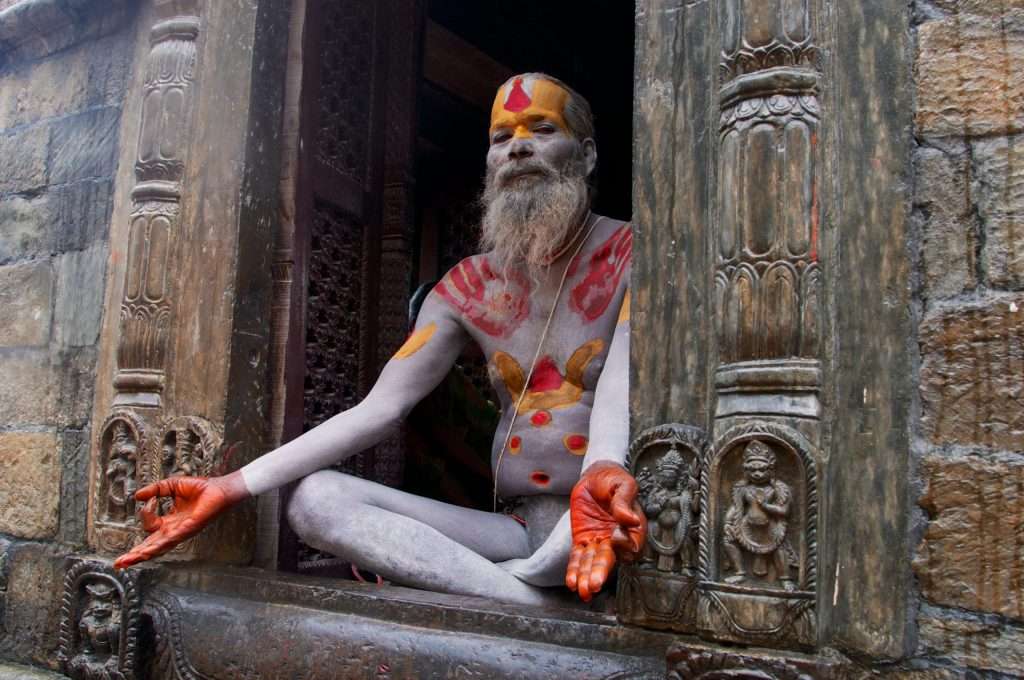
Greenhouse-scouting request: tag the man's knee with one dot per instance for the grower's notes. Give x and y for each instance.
(310, 496)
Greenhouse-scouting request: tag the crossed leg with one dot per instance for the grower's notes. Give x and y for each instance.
(413, 540)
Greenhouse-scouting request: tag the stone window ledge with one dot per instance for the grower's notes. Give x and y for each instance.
(33, 29)
(218, 620)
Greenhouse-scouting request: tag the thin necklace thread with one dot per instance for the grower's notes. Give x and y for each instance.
(540, 346)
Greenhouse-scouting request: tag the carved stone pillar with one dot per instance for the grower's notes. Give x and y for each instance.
(759, 500)
(185, 336)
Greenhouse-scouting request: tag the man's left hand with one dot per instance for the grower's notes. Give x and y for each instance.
(607, 523)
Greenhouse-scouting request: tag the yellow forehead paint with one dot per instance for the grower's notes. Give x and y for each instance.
(416, 341)
(525, 100)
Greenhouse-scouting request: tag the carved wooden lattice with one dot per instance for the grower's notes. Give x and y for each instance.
(334, 320)
(345, 89)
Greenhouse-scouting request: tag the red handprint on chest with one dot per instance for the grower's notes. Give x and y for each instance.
(592, 295)
(496, 304)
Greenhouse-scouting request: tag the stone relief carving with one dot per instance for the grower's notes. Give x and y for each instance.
(121, 445)
(99, 623)
(696, 664)
(758, 539)
(756, 522)
(660, 589)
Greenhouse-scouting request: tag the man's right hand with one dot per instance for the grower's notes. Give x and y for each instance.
(196, 502)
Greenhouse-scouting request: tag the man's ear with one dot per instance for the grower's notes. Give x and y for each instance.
(589, 154)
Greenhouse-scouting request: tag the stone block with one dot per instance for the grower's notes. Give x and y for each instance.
(973, 642)
(83, 212)
(26, 304)
(35, 91)
(983, 7)
(28, 391)
(76, 385)
(29, 484)
(108, 69)
(74, 487)
(84, 146)
(998, 187)
(968, 76)
(948, 230)
(10, 671)
(24, 159)
(79, 300)
(25, 226)
(972, 374)
(970, 556)
(32, 617)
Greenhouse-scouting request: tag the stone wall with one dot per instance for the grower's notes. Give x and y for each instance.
(969, 447)
(62, 83)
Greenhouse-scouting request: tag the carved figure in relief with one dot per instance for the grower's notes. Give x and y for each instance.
(670, 501)
(548, 292)
(120, 475)
(99, 631)
(757, 521)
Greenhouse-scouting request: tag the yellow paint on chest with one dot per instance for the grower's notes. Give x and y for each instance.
(548, 388)
(416, 341)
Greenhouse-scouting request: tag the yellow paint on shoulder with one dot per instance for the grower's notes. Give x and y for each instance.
(624, 309)
(416, 341)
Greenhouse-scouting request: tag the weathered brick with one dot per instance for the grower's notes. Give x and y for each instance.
(84, 146)
(977, 644)
(972, 374)
(26, 224)
(998, 188)
(968, 77)
(24, 159)
(32, 616)
(79, 300)
(26, 304)
(28, 391)
(971, 555)
(941, 192)
(29, 484)
(74, 486)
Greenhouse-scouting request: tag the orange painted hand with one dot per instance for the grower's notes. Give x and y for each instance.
(607, 522)
(197, 501)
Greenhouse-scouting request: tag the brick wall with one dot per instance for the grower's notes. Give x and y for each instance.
(59, 119)
(969, 446)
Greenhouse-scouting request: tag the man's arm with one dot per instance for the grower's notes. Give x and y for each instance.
(416, 369)
(420, 364)
(606, 518)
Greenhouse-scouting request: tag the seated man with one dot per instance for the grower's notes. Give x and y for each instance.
(548, 305)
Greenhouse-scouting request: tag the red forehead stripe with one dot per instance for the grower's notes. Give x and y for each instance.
(517, 100)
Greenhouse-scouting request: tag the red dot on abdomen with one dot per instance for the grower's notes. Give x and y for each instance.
(540, 478)
(540, 418)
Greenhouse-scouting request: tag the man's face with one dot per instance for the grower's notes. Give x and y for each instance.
(530, 139)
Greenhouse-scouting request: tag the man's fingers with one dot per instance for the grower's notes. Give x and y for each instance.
(604, 560)
(572, 571)
(164, 487)
(150, 520)
(583, 582)
(624, 506)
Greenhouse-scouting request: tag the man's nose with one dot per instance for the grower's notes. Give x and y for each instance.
(520, 149)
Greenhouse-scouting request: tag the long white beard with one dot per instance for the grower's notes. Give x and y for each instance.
(529, 217)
